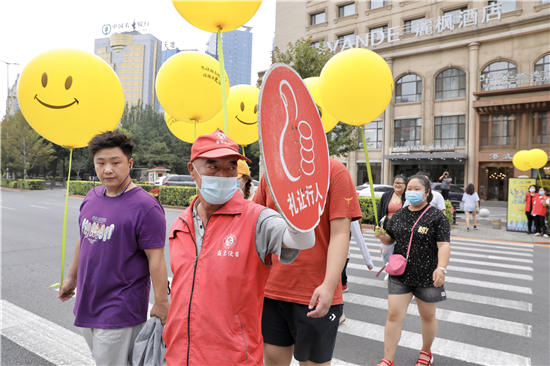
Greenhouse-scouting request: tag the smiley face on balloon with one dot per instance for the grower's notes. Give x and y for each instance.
(68, 96)
(242, 114)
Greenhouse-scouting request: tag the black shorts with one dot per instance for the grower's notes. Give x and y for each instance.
(285, 324)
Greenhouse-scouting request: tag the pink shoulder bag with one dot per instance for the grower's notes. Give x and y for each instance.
(397, 263)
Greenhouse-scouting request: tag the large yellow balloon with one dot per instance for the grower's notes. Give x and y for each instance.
(189, 86)
(208, 15)
(356, 86)
(68, 96)
(537, 158)
(188, 131)
(329, 122)
(521, 160)
(242, 114)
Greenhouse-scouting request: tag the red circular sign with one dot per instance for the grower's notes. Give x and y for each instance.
(294, 148)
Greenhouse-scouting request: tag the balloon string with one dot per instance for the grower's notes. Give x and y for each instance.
(222, 79)
(243, 151)
(540, 178)
(369, 175)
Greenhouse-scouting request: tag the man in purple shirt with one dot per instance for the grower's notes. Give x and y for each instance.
(120, 250)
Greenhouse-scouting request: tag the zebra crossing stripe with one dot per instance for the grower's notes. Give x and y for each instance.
(456, 317)
(491, 273)
(465, 281)
(487, 256)
(48, 340)
(441, 347)
(376, 242)
(473, 298)
(454, 248)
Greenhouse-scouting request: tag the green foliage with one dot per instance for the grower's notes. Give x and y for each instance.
(147, 187)
(176, 196)
(32, 184)
(343, 139)
(449, 212)
(13, 184)
(366, 209)
(191, 199)
(81, 188)
(5, 182)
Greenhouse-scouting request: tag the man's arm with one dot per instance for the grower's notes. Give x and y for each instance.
(159, 276)
(336, 259)
(69, 285)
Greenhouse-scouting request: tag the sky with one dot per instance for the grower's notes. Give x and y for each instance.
(31, 27)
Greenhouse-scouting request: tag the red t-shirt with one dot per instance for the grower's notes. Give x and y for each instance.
(296, 282)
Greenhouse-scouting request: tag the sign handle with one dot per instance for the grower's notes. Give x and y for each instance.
(222, 79)
(64, 233)
(371, 184)
(540, 177)
(243, 151)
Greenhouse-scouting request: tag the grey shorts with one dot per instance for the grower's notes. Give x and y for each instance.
(426, 294)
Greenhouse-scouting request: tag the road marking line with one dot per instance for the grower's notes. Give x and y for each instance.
(334, 362)
(474, 298)
(45, 208)
(465, 281)
(48, 340)
(7, 208)
(491, 273)
(487, 256)
(465, 246)
(442, 347)
(455, 248)
(472, 320)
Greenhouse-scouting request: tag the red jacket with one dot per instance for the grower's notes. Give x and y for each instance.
(538, 205)
(529, 201)
(217, 296)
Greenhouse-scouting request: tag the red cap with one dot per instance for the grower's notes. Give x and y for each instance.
(215, 145)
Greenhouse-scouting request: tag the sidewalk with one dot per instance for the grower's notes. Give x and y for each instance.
(485, 231)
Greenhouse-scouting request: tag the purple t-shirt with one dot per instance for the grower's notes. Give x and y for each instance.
(113, 271)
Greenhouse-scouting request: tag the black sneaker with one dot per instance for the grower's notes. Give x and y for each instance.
(468, 229)
(475, 227)
(529, 233)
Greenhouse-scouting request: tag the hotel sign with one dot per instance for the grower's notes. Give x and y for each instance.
(509, 79)
(421, 149)
(125, 27)
(424, 27)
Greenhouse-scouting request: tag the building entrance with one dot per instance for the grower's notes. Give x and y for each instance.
(494, 183)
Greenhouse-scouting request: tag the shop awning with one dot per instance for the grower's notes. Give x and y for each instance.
(427, 156)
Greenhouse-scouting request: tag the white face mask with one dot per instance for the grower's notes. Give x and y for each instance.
(217, 190)
(541, 193)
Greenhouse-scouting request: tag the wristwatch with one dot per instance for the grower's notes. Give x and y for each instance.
(443, 269)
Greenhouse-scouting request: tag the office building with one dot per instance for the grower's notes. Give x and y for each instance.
(472, 82)
(136, 58)
(237, 54)
(13, 103)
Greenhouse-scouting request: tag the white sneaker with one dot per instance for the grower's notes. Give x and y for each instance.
(537, 234)
(342, 318)
(546, 235)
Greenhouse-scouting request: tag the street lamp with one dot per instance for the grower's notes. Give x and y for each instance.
(8, 82)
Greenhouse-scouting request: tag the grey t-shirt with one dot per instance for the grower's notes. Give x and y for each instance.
(268, 237)
(446, 183)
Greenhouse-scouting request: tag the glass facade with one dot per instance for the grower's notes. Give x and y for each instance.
(363, 176)
(373, 135)
(237, 54)
(450, 130)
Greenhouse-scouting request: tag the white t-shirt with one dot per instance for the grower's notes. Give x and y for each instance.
(437, 201)
(470, 201)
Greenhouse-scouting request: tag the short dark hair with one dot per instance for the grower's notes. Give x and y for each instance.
(425, 182)
(470, 189)
(110, 139)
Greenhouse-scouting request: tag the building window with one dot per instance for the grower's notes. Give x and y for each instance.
(350, 37)
(450, 83)
(408, 89)
(497, 129)
(345, 10)
(316, 44)
(543, 65)
(375, 35)
(407, 132)
(317, 18)
(545, 1)
(373, 135)
(450, 130)
(495, 76)
(541, 128)
(375, 4)
(456, 14)
(412, 24)
(507, 5)
(363, 175)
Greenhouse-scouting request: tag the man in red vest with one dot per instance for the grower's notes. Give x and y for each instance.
(220, 255)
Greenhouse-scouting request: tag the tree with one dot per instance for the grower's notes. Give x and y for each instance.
(308, 61)
(23, 147)
(81, 159)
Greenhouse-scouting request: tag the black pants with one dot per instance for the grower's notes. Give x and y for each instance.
(540, 225)
(445, 194)
(344, 275)
(530, 220)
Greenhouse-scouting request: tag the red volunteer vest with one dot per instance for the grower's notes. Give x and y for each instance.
(217, 297)
(529, 201)
(538, 207)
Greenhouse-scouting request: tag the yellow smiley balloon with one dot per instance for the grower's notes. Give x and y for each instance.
(329, 122)
(188, 86)
(188, 132)
(208, 15)
(68, 96)
(242, 114)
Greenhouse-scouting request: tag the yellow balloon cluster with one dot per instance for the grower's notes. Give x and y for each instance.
(69, 96)
(189, 86)
(242, 113)
(208, 15)
(329, 122)
(356, 86)
(188, 132)
(532, 159)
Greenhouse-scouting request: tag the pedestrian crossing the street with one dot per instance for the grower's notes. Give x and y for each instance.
(489, 289)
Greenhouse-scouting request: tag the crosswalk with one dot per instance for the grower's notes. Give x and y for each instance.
(502, 272)
(489, 289)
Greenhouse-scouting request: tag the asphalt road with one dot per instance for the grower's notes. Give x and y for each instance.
(496, 312)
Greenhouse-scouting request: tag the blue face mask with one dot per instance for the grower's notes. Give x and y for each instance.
(532, 190)
(415, 198)
(217, 190)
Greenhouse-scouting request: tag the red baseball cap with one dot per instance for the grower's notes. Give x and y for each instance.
(215, 145)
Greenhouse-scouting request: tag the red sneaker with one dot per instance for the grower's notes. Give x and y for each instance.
(345, 288)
